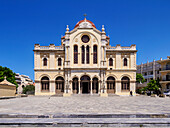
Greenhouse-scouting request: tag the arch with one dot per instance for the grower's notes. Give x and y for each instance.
(44, 75)
(95, 76)
(85, 75)
(125, 83)
(125, 61)
(95, 85)
(82, 54)
(85, 84)
(75, 77)
(59, 82)
(112, 75)
(95, 50)
(127, 75)
(75, 54)
(45, 61)
(86, 32)
(45, 83)
(110, 84)
(110, 62)
(59, 62)
(75, 85)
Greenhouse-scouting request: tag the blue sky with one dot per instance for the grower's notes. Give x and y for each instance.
(23, 23)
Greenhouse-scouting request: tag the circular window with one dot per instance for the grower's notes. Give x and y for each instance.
(85, 39)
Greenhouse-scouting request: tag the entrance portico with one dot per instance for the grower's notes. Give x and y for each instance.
(86, 85)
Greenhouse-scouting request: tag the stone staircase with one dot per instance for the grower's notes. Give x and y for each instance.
(85, 120)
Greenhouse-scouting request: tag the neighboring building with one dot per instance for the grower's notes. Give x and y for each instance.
(165, 74)
(22, 81)
(84, 63)
(150, 71)
(7, 89)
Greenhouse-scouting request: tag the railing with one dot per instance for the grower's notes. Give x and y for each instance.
(50, 47)
(118, 47)
(44, 47)
(59, 47)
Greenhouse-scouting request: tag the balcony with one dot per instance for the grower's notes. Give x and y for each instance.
(50, 47)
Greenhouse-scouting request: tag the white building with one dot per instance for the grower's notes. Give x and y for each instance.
(22, 81)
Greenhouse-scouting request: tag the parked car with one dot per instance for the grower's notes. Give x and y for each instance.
(167, 93)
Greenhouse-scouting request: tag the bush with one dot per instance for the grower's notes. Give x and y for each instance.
(29, 89)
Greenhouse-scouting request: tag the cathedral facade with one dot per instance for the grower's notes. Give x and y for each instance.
(84, 63)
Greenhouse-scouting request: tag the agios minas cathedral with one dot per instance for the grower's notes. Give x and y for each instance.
(85, 62)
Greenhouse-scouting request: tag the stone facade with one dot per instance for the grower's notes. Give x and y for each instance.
(84, 63)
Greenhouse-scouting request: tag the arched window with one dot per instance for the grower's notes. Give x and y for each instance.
(45, 84)
(45, 61)
(125, 62)
(75, 54)
(111, 84)
(110, 62)
(125, 81)
(59, 61)
(94, 54)
(87, 55)
(83, 54)
(59, 84)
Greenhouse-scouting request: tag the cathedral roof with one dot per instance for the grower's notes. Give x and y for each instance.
(85, 20)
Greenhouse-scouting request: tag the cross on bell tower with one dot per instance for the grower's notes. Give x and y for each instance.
(85, 15)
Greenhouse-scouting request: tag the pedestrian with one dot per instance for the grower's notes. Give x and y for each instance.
(131, 94)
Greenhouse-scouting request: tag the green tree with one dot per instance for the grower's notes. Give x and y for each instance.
(140, 78)
(29, 89)
(10, 75)
(153, 85)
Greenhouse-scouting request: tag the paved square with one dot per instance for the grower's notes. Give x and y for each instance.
(85, 105)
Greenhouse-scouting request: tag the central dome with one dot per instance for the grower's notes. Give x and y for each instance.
(85, 20)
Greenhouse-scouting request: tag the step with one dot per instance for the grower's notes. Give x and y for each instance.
(86, 122)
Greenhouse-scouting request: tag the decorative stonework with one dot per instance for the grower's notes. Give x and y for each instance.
(69, 70)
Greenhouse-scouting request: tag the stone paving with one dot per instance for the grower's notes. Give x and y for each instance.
(85, 105)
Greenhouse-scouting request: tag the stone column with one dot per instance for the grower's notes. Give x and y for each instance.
(71, 87)
(52, 87)
(118, 87)
(91, 89)
(133, 87)
(37, 87)
(79, 87)
(99, 86)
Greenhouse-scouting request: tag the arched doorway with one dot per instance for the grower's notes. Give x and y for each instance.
(45, 84)
(85, 84)
(59, 84)
(75, 86)
(125, 82)
(95, 85)
(110, 84)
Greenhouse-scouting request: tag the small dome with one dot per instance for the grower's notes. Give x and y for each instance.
(85, 20)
